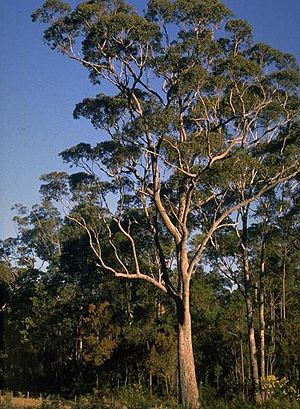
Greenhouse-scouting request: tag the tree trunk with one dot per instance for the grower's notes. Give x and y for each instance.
(189, 394)
(253, 359)
(150, 383)
(262, 324)
(262, 342)
(252, 348)
(242, 365)
(250, 313)
(283, 315)
(272, 333)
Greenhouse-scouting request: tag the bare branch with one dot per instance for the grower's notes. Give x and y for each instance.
(268, 186)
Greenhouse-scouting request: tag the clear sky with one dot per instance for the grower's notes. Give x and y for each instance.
(39, 89)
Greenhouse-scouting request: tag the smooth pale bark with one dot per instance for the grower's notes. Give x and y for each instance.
(187, 374)
(262, 324)
(250, 315)
(253, 356)
(271, 356)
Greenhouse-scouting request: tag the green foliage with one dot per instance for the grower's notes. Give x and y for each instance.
(50, 10)
(104, 111)
(7, 276)
(133, 398)
(277, 389)
(99, 334)
(202, 12)
(162, 358)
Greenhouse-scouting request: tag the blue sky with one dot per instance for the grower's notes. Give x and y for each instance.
(39, 89)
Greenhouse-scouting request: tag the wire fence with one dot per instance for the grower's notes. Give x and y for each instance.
(28, 398)
(6, 393)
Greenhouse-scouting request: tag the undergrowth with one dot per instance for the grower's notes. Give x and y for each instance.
(136, 398)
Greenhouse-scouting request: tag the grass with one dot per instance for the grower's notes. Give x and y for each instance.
(8, 402)
(125, 399)
(131, 399)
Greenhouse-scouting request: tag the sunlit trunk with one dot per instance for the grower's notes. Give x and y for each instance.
(187, 375)
(271, 356)
(253, 355)
(250, 316)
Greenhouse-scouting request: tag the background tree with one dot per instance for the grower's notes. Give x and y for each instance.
(246, 255)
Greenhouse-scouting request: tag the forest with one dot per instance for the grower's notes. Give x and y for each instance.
(163, 269)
